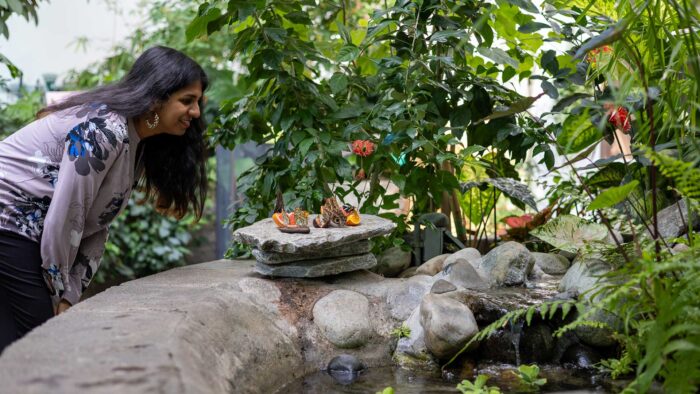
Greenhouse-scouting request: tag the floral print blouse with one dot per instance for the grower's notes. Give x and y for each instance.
(63, 179)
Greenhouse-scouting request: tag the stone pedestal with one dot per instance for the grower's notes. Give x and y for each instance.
(324, 251)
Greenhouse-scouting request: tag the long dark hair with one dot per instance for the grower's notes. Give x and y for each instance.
(174, 171)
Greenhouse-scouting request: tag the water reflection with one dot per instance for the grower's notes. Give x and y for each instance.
(559, 380)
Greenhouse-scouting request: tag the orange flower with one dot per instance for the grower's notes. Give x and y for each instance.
(362, 148)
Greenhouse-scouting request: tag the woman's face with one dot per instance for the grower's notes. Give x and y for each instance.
(180, 109)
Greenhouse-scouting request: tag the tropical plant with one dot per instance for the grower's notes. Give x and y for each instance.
(419, 79)
(477, 387)
(529, 377)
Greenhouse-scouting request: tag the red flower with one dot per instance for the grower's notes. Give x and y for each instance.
(619, 118)
(360, 175)
(362, 148)
(518, 221)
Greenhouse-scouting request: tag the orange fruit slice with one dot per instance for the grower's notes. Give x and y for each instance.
(353, 219)
(277, 218)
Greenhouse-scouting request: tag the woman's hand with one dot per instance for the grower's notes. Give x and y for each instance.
(62, 307)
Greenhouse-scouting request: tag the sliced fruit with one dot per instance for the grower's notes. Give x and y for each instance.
(353, 219)
(278, 219)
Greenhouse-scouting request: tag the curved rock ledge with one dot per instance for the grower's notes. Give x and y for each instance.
(209, 328)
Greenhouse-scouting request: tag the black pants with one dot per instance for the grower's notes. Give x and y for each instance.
(25, 301)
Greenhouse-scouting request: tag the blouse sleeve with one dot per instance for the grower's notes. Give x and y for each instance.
(91, 149)
(85, 265)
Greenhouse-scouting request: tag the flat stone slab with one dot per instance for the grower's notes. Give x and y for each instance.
(274, 258)
(317, 268)
(265, 236)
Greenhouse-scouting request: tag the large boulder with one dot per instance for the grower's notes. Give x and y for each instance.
(343, 317)
(599, 336)
(469, 254)
(507, 265)
(583, 275)
(673, 220)
(392, 262)
(432, 266)
(448, 325)
(403, 299)
(463, 275)
(413, 345)
(552, 264)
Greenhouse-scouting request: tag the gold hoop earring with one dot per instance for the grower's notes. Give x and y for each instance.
(155, 122)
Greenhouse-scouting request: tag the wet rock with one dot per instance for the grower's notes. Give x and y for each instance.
(409, 272)
(567, 255)
(432, 266)
(343, 317)
(581, 356)
(507, 265)
(469, 254)
(414, 344)
(599, 336)
(583, 275)
(392, 262)
(552, 264)
(345, 363)
(463, 275)
(673, 220)
(318, 268)
(442, 286)
(402, 300)
(448, 325)
(537, 273)
(534, 344)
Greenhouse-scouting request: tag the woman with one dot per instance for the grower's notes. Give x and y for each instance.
(67, 175)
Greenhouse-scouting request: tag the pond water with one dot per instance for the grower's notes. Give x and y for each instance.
(559, 380)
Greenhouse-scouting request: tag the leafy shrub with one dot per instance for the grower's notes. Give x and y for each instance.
(143, 242)
(18, 114)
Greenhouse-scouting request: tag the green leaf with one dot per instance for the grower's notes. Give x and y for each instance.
(348, 53)
(528, 316)
(510, 187)
(444, 35)
(530, 27)
(613, 196)
(499, 56)
(549, 62)
(568, 100)
(565, 310)
(578, 133)
(298, 17)
(305, 145)
(570, 233)
(338, 83)
(524, 4)
(508, 73)
(198, 26)
(549, 89)
(519, 106)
